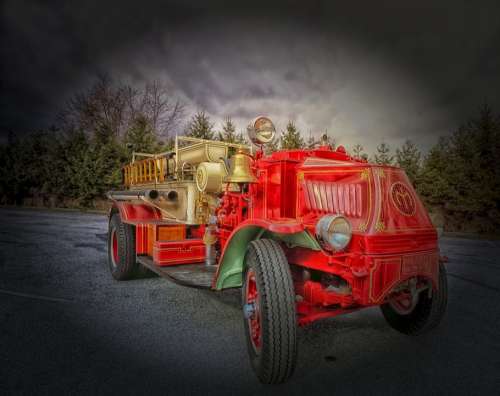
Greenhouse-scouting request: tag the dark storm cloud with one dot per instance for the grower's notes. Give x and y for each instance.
(49, 48)
(365, 72)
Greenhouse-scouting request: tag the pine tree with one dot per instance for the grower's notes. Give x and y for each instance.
(291, 138)
(358, 151)
(241, 138)
(408, 157)
(434, 185)
(383, 156)
(474, 176)
(200, 127)
(460, 176)
(75, 149)
(101, 171)
(485, 130)
(228, 133)
(140, 137)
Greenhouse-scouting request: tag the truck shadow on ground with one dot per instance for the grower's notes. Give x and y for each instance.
(312, 338)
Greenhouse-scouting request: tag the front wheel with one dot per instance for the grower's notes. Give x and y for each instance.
(426, 314)
(269, 312)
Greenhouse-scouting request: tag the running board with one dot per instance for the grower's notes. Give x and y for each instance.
(199, 275)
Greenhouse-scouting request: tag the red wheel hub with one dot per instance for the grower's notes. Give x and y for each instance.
(114, 248)
(404, 303)
(252, 310)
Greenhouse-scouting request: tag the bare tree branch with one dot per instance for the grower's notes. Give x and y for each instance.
(106, 106)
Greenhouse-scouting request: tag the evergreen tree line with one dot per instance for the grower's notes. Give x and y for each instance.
(77, 162)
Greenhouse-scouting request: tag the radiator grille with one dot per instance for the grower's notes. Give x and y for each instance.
(338, 198)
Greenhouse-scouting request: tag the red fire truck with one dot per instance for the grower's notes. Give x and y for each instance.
(306, 234)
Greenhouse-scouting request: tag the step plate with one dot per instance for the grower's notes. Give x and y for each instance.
(192, 275)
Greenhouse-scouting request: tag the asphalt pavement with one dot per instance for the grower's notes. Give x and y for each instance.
(66, 327)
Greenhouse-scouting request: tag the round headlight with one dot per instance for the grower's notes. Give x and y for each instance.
(334, 232)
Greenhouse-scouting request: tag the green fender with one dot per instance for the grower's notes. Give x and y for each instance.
(231, 265)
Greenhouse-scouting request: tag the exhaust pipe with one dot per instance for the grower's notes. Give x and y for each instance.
(132, 195)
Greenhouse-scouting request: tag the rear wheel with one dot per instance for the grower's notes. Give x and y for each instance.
(426, 313)
(269, 312)
(121, 249)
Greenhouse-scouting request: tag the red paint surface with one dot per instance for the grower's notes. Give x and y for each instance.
(141, 238)
(393, 239)
(178, 252)
(136, 213)
(114, 245)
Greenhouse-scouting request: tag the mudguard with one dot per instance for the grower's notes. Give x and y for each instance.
(135, 213)
(290, 232)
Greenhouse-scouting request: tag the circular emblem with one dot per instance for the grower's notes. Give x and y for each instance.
(402, 199)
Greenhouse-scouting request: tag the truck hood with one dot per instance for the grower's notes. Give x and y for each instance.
(379, 201)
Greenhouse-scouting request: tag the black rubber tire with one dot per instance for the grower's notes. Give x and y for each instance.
(276, 360)
(426, 315)
(126, 266)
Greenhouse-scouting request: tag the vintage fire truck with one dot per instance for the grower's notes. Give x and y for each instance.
(306, 234)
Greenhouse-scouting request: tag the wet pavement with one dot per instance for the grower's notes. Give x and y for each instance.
(67, 327)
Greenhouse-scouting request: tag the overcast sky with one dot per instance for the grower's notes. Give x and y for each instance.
(364, 71)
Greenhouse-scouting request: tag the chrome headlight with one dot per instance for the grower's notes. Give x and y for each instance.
(334, 232)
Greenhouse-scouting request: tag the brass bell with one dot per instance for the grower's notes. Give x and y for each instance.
(241, 169)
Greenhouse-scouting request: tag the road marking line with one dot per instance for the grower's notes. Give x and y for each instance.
(34, 296)
(480, 284)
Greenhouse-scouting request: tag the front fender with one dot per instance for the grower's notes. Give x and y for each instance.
(133, 213)
(290, 232)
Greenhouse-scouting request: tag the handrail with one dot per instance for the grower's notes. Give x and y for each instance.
(150, 170)
(198, 140)
(153, 168)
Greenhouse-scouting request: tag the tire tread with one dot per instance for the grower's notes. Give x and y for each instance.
(127, 267)
(277, 296)
(427, 314)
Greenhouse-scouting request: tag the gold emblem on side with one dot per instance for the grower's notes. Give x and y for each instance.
(402, 199)
(380, 226)
(380, 172)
